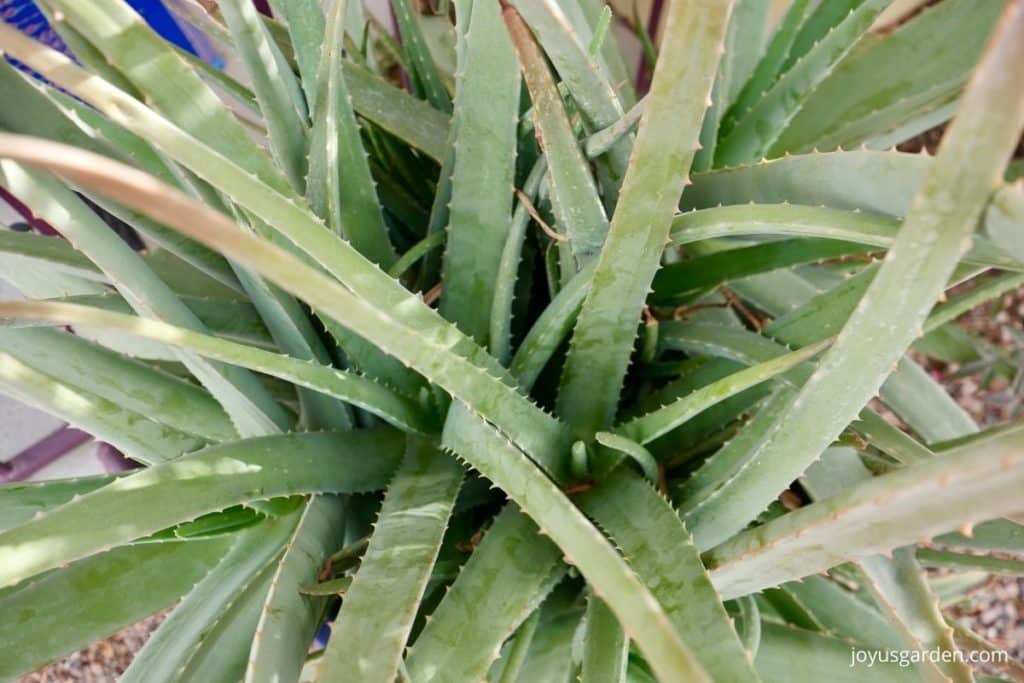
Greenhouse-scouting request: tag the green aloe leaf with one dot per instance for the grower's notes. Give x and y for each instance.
(22, 500)
(657, 545)
(211, 600)
(603, 338)
(172, 86)
(137, 436)
(305, 22)
(573, 192)
(392, 577)
(605, 648)
(933, 237)
(642, 617)
(396, 111)
(755, 132)
(276, 87)
(479, 213)
(430, 350)
(743, 44)
(129, 384)
(346, 386)
(422, 62)
(811, 221)
(173, 492)
(289, 619)
(897, 584)
(680, 282)
(892, 510)
(785, 649)
(859, 100)
(645, 428)
(112, 590)
(251, 409)
(589, 85)
(351, 208)
(766, 71)
(505, 578)
(844, 613)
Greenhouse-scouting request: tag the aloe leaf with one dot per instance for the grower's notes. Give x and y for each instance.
(998, 534)
(250, 408)
(371, 629)
(419, 56)
(646, 428)
(900, 589)
(756, 132)
(305, 22)
(50, 254)
(486, 107)
(294, 334)
(784, 650)
(843, 613)
(743, 43)
(351, 388)
(506, 577)
(299, 225)
(791, 219)
(508, 269)
(172, 87)
(605, 648)
(937, 418)
(289, 619)
(933, 237)
(513, 660)
(129, 384)
(661, 551)
(172, 492)
(573, 193)
(963, 561)
(550, 657)
(238, 322)
(22, 500)
(766, 71)
(275, 86)
(136, 435)
(692, 493)
(351, 208)
(859, 90)
(926, 497)
(111, 590)
(582, 75)
(430, 349)
(643, 619)
(605, 329)
(865, 180)
(49, 113)
(396, 111)
(550, 329)
(880, 182)
(223, 652)
(683, 281)
(179, 636)
(897, 584)
(610, 51)
(1003, 219)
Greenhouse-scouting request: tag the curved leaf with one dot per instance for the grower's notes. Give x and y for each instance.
(667, 138)
(371, 629)
(211, 480)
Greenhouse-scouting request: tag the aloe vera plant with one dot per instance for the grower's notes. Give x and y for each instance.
(449, 359)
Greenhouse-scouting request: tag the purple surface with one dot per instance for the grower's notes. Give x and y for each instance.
(42, 453)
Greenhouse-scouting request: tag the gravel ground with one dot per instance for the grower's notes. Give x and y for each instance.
(103, 661)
